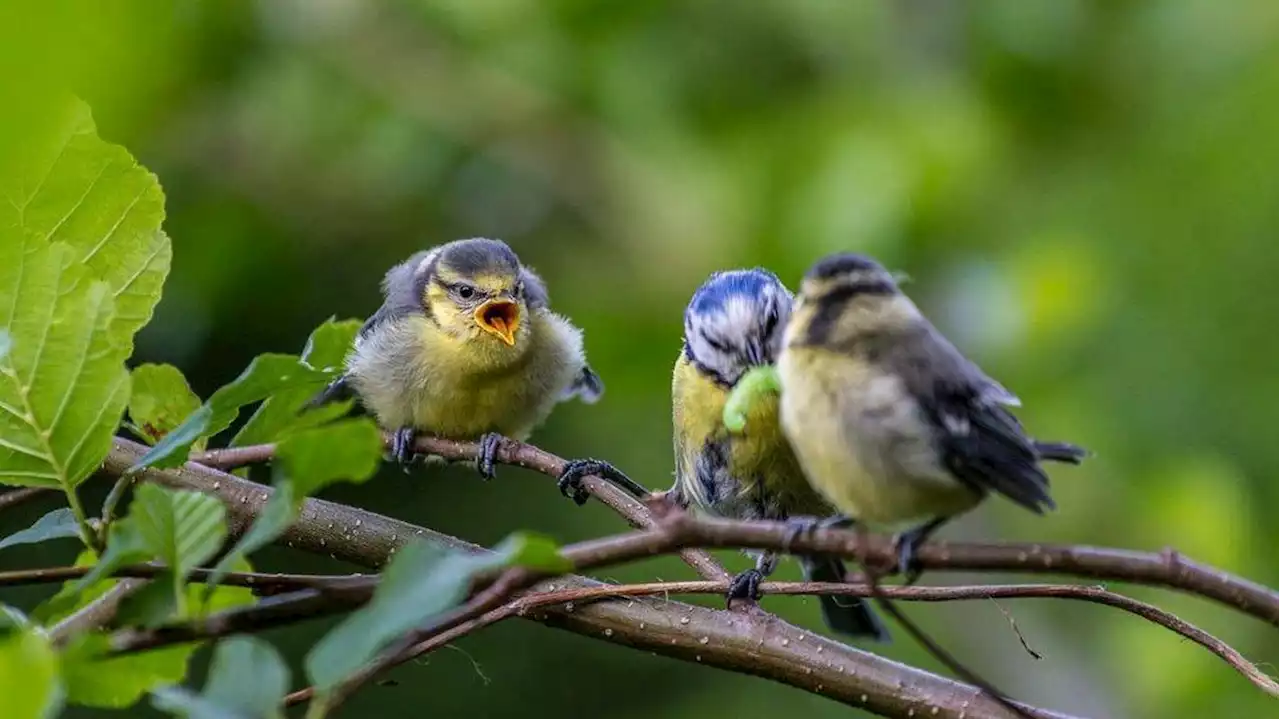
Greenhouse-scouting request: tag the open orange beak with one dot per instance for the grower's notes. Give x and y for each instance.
(499, 317)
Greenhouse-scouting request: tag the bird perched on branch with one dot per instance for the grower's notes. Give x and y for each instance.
(466, 347)
(889, 421)
(734, 323)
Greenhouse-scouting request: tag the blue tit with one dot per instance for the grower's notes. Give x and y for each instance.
(465, 346)
(889, 421)
(734, 323)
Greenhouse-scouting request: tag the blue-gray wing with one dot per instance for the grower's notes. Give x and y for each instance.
(535, 290)
(981, 443)
(587, 386)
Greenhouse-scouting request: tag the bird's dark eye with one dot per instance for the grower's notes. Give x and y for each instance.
(466, 292)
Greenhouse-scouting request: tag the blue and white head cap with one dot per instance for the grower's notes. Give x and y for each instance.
(735, 322)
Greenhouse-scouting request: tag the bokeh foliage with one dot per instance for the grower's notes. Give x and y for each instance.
(1081, 192)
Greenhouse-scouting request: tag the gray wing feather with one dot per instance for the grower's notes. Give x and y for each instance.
(982, 443)
(587, 386)
(535, 290)
(401, 290)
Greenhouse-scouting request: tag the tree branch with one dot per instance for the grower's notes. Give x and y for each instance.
(1167, 569)
(268, 613)
(527, 602)
(15, 497)
(98, 612)
(251, 580)
(762, 646)
(510, 453)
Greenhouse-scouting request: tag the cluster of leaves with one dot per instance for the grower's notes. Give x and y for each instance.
(83, 261)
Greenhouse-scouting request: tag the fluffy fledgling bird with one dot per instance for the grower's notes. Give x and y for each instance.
(734, 323)
(889, 421)
(465, 346)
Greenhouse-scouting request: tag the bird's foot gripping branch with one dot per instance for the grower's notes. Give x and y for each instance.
(165, 563)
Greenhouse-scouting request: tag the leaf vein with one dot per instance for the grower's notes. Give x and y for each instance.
(75, 451)
(114, 228)
(23, 449)
(47, 173)
(92, 184)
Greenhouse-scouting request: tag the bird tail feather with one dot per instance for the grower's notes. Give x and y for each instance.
(851, 616)
(1061, 452)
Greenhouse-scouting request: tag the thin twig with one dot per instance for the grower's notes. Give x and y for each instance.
(234, 457)
(98, 612)
(276, 611)
(122, 485)
(14, 497)
(1017, 632)
(252, 580)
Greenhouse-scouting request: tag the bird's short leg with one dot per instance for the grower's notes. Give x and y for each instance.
(908, 543)
(570, 482)
(800, 526)
(487, 455)
(402, 447)
(746, 584)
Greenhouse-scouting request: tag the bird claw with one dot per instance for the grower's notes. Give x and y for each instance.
(570, 481)
(487, 456)
(745, 585)
(402, 449)
(803, 526)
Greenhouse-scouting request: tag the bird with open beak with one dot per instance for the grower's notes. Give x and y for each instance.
(466, 347)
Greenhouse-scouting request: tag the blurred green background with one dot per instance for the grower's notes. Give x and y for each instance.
(1081, 192)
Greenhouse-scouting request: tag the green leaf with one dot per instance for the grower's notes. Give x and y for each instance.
(63, 385)
(182, 702)
(82, 262)
(70, 598)
(281, 413)
(30, 686)
(757, 381)
(77, 189)
(125, 546)
(120, 681)
(180, 528)
(73, 596)
(266, 375)
(57, 524)
(306, 462)
(533, 551)
(160, 400)
(153, 604)
(93, 680)
(421, 581)
(247, 679)
(248, 674)
(349, 450)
